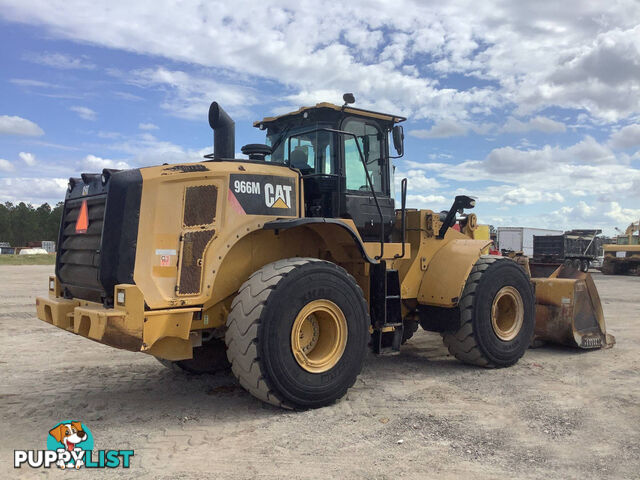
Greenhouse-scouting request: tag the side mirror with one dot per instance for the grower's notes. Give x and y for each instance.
(398, 139)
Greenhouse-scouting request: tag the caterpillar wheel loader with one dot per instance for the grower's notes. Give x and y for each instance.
(623, 257)
(295, 261)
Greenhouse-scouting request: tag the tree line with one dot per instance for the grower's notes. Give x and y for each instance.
(23, 223)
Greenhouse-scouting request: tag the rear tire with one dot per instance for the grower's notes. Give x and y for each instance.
(608, 267)
(209, 358)
(497, 315)
(273, 316)
(584, 265)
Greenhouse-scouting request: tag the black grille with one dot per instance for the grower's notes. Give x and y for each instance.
(89, 265)
(79, 253)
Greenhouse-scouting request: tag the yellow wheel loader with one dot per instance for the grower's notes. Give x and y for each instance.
(623, 257)
(288, 265)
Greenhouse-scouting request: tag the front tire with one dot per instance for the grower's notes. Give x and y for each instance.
(209, 358)
(497, 315)
(297, 333)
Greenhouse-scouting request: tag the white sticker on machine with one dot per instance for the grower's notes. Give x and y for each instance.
(165, 252)
(621, 254)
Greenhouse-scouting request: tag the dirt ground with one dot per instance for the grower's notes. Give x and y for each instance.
(559, 413)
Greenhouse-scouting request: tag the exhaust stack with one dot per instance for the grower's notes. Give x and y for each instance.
(224, 132)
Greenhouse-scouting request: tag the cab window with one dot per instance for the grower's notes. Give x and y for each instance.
(370, 140)
(312, 152)
(309, 152)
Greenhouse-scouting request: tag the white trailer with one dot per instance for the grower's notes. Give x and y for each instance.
(520, 239)
(49, 246)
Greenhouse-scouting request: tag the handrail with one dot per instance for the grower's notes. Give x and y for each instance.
(403, 200)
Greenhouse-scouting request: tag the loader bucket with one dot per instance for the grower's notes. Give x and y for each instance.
(568, 310)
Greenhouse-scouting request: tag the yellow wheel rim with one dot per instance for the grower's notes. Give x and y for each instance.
(319, 336)
(507, 313)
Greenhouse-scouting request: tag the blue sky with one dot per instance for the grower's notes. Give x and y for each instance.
(535, 111)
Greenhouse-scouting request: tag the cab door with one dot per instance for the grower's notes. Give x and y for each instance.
(358, 202)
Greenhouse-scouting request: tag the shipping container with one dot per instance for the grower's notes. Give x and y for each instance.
(520, 239)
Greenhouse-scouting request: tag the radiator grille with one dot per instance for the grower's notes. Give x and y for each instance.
(79, 253)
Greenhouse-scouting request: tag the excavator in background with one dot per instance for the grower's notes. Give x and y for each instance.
(288, 265)
(623, 257)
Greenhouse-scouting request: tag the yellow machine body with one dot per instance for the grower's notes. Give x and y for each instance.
(624, 256)
(192, 258)
(204, 228)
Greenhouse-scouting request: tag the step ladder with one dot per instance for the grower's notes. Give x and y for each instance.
(386, 310)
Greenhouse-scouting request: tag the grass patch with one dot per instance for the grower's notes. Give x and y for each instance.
(27, 259)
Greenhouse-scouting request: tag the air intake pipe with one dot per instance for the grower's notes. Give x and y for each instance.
(224, 132)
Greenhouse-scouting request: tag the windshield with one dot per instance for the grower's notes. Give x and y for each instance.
(307, 149)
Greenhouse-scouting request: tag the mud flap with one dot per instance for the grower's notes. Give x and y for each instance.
(568, 310)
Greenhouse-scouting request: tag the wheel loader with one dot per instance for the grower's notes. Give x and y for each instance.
(290, 264)
(623, 257)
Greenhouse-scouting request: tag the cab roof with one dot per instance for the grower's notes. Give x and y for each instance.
(351, 110)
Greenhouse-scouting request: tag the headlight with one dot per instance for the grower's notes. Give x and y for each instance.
(120, 297)
(52, 284)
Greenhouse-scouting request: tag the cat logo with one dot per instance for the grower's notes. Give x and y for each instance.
(277, 196)
(262, 195)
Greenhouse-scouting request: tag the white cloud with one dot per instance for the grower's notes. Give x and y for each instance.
(28, 158)
(513, 160)
(441, 130)
(521, 195)
(93, 163)
(623, 215)
(5, 165)
(530, 57)
(84, 112)
(61, 60)
(626, 137)
(539, 123)
(147, 126)
(416, 180)
(32, 190)
(432, 202)
(31, 83)
(189, 96)
(12, 125)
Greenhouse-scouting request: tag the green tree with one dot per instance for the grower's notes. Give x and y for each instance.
(6, 234)
(23, 223)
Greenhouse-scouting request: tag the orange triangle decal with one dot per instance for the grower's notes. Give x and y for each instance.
(280, 204)
(83, 218)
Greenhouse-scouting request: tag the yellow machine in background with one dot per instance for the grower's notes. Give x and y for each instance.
(293, 261)
(623, 257)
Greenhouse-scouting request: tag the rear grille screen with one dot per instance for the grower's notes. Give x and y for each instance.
(79, 255)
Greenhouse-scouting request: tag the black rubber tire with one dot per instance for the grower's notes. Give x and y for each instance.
(410, 326)
(584, 265)
(259, 326)
(576, 263)
(608, 267)
(211, 357)
(475, 342)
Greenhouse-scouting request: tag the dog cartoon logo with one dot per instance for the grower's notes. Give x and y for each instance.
(72, 437)
(70, 446)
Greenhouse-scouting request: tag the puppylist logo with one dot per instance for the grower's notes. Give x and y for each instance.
(70, 445)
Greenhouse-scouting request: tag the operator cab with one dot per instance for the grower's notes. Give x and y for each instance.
(330, 146)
